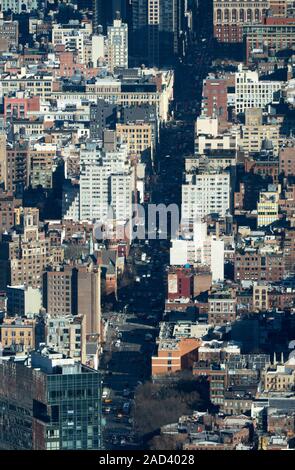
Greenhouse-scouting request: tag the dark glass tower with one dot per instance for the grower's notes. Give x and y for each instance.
(48, 402)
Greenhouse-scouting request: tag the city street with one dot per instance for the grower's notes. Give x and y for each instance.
(140, 305)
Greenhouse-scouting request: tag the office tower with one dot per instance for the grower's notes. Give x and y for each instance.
(49, 402)
(118, 45)
(157, 26)
(230, 17)
(139, 29)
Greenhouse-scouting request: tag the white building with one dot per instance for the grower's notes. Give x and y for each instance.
(73, 36)
(118, 45)
(204, 194)
(106, 181)
(99, 49)
(200, 249)
(24, 301)
(251, 92)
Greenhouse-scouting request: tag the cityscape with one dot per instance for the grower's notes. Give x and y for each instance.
(147, 227)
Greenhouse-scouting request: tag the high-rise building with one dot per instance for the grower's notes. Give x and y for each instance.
(49, 402)
(106, 182)
(74, 290)
(118, 45)
(204, 194)
(157, 27)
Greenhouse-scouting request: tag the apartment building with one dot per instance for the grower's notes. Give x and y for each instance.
(200, 249)
(23, 257)
(66, 334)
(8, 203)
(255, 266)
(74, 37)
(18, 334)
(105, 181)
(23, 301)
(138, 137)
(222, 308)
(17, 166)
(279, 378)
(41, 165)
(74, 290)
(204, 194)
(254, 132)
(36, 85)
(261, 299)
(9, 33)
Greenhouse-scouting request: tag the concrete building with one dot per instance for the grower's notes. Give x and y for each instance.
(23, 301)
(274, 33)
(250, 92)
(200, 249)
(75, 290)
(117, 45)
(41, 165)
(74, 37)
(138, 137)
(66, 334)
